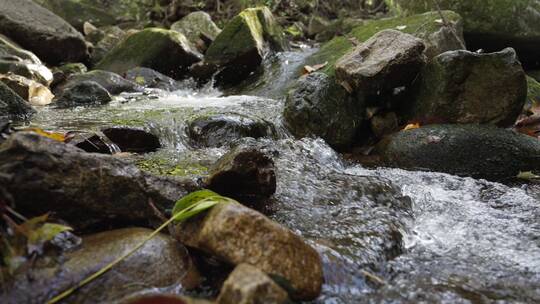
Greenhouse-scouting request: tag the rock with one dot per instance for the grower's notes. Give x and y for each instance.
(244, 174)
(12, 105)
(165, 51)
(42, 32)
(239, 49)
(104, 40)
(317, 25)
(465, 87)
(163, 299)
(492, 25)
(62, 73)
(91, 142)
(238, 235)
(248, 285)
(384, 123)
(22, 62)
(223, 129)
(77, 12)
(113, 83)
(198, 28)
(388, 60)
(533, 91)
(437, 37)
(151, 79)
(132, 140)
(87, 190)
(33, 92)
(84, 93)
(480, 151)
(317, 106)
(159, 263)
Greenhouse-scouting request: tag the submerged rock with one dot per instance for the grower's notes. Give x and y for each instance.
(12, 105)
(198, 28)
(91, 142)
(467, 150)
(491, 25)
(159, 263)
(132, 140)
(87, 190)
(113, 83)
(245, 174)
(165, 51)
(248, 285)
(465, 87)
(237, 235)
(84, 93)
(42, 32)
(151, 79)
(33, 92)
(223, 129)
(388, 60)
(240, 48)
(318, 106)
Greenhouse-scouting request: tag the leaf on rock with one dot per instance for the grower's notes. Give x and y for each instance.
(52, 135)
(195, 203)
(412, 126)
(308, 69)
(528, 175)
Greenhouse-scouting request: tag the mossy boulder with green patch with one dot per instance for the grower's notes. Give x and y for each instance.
(240, 48)
(198, 28)
(428, 27)
(165, 51)
(491, 24)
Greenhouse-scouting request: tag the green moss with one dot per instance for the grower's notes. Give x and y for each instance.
(533, 91)
(417, 25)
(164, 167)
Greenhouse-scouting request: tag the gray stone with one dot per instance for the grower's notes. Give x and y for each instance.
(84, 93)
(151, 79)
(198, 28)
(12, 105)
(113, 83)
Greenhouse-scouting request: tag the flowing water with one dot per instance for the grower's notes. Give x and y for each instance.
(385, 235)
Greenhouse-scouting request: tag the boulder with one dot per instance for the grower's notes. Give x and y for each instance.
(84, 93)
(12, 105)
(248, 285)
(104, 40)
(437, 37)
(198, 28)
(491, 25)
(165, 51)
(132, 139)
(42, 32)
(151, 79)
(465, 87)
(318, 106)
(113, 83)
(22, 62)
(33, 92)
(223, 129)
(77, 12)
(237, 235)
(480, 151)
(62, 73)
(87, 190)
(245, 174)
(159, 263)
(388, 60)
(240, 48)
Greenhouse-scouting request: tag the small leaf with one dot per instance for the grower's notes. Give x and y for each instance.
(401, 27)
(192, 199)
(308, 69)
(528, 175)
(412, 126)
(52, 135)
(140, 80)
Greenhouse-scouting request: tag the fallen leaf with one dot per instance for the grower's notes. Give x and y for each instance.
(312, 69)
(401, 27)
(412, 126)
(52, 135)
(528, 175)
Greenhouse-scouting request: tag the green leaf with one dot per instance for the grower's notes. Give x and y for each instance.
(191, 199)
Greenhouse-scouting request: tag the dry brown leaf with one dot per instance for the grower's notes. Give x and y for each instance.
(412, 126)
(52, 135)
(308, 69)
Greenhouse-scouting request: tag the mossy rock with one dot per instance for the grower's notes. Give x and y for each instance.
(491, 24)
(195, 26)
(165, 51)
(426, 26)
(533, 91)
(77, 12)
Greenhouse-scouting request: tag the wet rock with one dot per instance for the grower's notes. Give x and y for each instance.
(480, 151)
(132, 140)
(104, 40)
(491, 25)
(151, 79)
(437, 37)
(165, 51)
(466, 87)
(388, 60)
(384, 123)
(237, 235)
(62, 73)
(198, 28)
(91, 142)
(161, 262)
(42, 32)
(90, 191)
(84, 93)
(247, 285)
(239, 49)
(113, 83)
(12, 105)
(163, 299)
(33, 92)
(245, 174)
(223, 129)
(318, 106)
(77, 12)
(14, 59)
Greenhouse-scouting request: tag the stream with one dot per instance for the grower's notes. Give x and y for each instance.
(385, 235)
